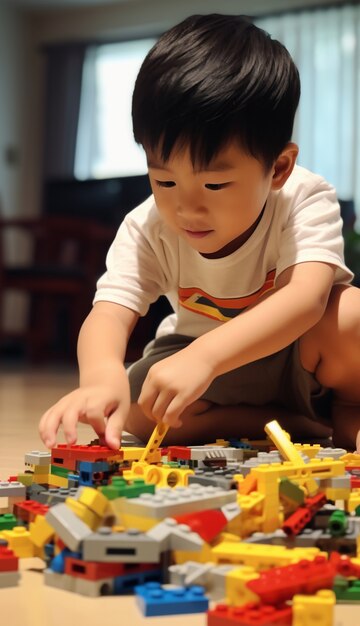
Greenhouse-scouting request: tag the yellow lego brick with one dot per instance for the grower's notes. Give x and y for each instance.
(202, 556)
(310, 449)
(134, 521)
(83, 512)
(159, 475)
(237, 591)
(260, 556)
(333, 493)
(317, 610)
(353, 501)
(94, 500)
(41, 532)
(220, 442)
(40, 469)
(283, 442)
(154, 442)
(19, 541)
(134, 454)
(25, 479)
(251, 503)
(268, 486)
(55, 481)
(351, 459)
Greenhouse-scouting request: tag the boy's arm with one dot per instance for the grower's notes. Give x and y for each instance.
(284, 314)
(103, 393)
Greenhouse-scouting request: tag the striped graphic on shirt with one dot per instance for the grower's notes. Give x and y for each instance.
(221, 309)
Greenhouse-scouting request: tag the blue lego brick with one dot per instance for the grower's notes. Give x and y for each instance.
(58, 562)
(127, 583)
(93, 473)
(154, 599)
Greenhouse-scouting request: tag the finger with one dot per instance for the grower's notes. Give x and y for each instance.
(147, 399)
(173, 412)
(161, 404)
(114, 428)
(49, 427)
(358, 443)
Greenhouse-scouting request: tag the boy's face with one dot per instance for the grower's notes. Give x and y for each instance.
(214, 210)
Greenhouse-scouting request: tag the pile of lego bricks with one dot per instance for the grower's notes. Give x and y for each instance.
(267, 537)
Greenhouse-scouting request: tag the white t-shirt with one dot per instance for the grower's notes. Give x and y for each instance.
(301, 222)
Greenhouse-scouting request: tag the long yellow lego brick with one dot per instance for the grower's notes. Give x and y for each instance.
(279, 437)
(155, 440)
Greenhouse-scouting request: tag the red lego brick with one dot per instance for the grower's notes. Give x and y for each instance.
(294, 524)
(64, 455)
(179, 452)
(355, 482)
(29, 509)
(94, 570)
(344, 566)
(8, 561)
(279, 584)
(208, 524)
(250, 615)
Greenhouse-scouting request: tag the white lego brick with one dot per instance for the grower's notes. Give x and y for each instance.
(12, 489)
(36, 457)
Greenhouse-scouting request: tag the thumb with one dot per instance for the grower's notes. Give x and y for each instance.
(113, 430)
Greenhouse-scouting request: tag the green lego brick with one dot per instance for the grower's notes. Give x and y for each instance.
(291, 491)
(120, 488)
(8, 521)
(60, 471)
(347, 590)
(338, 523)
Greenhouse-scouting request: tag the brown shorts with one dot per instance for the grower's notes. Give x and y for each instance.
(278, 379)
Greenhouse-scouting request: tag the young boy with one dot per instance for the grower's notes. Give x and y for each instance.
(246, 246)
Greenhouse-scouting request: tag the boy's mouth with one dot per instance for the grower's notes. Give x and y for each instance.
(197, 234)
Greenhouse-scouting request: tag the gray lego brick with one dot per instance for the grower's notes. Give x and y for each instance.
(173, 536)
(131, 546)
(12, 489)
(59, 581)
(68, 526)
(171, 502)
(36, 457)
(9, 579)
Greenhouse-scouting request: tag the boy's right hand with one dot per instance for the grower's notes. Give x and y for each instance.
(102, 407)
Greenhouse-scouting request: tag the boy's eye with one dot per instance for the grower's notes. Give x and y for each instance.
(216, 187)
(165, 183)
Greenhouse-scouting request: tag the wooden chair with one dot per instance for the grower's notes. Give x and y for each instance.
(68, 257)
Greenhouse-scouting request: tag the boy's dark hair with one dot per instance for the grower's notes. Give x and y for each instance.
(212, 79)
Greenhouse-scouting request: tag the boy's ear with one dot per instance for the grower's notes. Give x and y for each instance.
(284, 165)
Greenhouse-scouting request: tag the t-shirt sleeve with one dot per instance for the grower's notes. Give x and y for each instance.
(135, 265)
(313, 231)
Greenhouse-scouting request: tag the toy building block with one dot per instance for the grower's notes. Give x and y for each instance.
(250, 615)
(154, 442)
(303, 515)
(55, 495)
(259, 556)
(238, 591)
(36, 457)
(208, 523)
(161, 476)
(40, 531)
(9, 562)
(9, 579)
(154, 599)
(314, 610)
(131, 546)
(223, 478)
(331, 453)
(170, 502)
(67, 525)
(7, 521)
(121, 488)
(172, 535)
(347, 590)
(28, 510)
(19, 541)
(282, 583)
(59, 581)
(344, 565)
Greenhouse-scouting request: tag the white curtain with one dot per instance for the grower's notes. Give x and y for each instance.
(325, 45)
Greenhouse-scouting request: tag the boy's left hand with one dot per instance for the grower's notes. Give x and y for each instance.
(174, 383)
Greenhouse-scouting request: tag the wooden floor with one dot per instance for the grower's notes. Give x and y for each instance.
(24, 395)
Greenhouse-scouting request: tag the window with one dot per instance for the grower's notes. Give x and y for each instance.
(105, 146)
